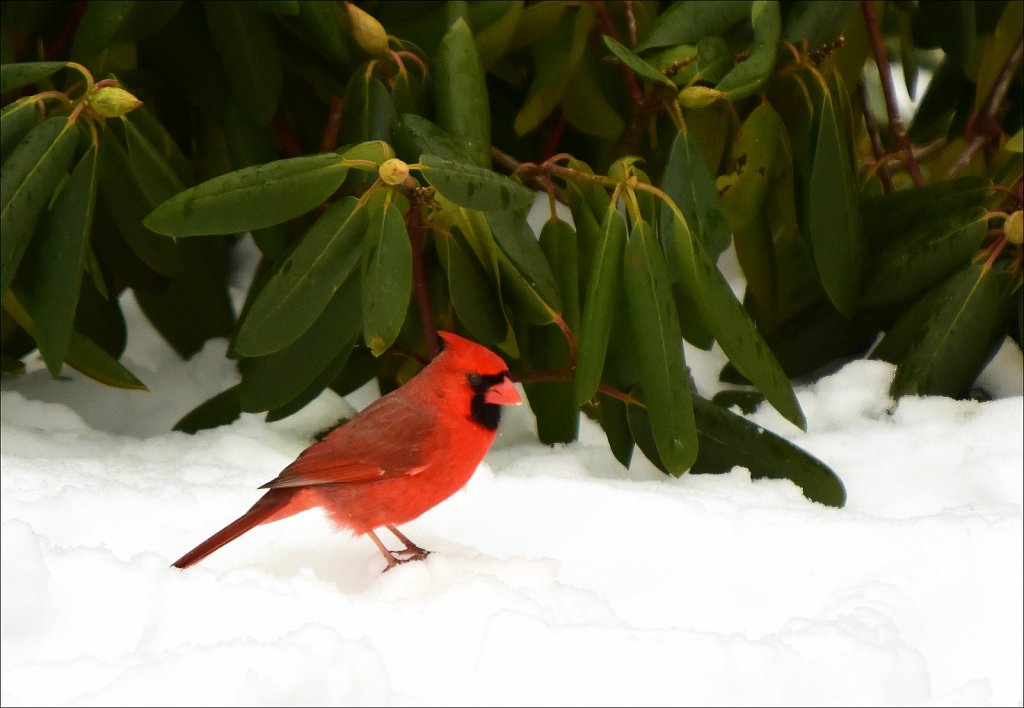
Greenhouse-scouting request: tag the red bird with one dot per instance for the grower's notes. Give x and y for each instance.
(404, 454)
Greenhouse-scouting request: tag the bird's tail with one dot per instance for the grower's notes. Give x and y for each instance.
(275, 504)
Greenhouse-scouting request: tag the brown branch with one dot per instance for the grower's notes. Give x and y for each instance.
(989, 128)
(876, 141)
(885, 76)
(533, 178)
(332, 126)
(414, 226)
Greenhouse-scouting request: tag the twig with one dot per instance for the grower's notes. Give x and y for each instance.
(876, 143)
(885, 76)
(414, 226)
(991, 108)
(636, 94)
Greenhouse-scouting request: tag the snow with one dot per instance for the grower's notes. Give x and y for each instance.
(557, 577)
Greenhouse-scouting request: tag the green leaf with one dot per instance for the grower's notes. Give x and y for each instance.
(818, 22)
(460, 92)
(690, 185)
(728, 440)
(615, 423)
(272, 381)
(688, 22)
(305, 282)
(659, 350)
(14, 76)
(222, 409)
(492, 41)
(525, 272)
(599, 304)
(99, 27)
(250, 198)
(552, 402)
(15, 121)
(474, 187)
(956, 340)
(925, 256)
(753, 158)
(732, 326)
(890, 217)
(586, 107)
(386, 276)
(28, 180)
(415, 135)
(83, 354)
(63, 243)
(128, 204)
(746, 77)
(555, 59)
(833, 212)
(472, 292)
(637, 65)
(159, 181)
(369, 111)
(246, 41)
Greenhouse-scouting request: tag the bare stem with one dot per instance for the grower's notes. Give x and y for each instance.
(876, 142)
(414, 225)
(987, 119)
(885, 76)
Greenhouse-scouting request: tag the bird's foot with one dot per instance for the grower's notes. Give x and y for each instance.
(398, 557)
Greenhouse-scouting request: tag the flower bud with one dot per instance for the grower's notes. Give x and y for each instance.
(393, 172)
(367, 31)
(113, 102)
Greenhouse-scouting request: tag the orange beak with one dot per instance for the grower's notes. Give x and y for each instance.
(503, 393)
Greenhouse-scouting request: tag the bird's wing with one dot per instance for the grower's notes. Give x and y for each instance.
(393, 438)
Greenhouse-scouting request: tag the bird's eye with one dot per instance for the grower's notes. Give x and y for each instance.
(475, 381)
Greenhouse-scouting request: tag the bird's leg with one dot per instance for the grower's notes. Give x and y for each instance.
(414, 551)
(388, 555)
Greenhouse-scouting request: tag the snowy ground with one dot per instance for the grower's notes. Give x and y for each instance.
(557, 577)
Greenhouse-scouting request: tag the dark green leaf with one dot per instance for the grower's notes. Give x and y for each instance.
(246, 41)
(833, 212)
(728, 440)
(415, 135)
(305, 282)
(688, 22)
(29, 178)
(614, 421)
(659, 349)
(746, 77)
(474, 187)
(14, 76)
(690, 185)
(222, 409)
(525, 272)
(250, 198)
(386, 276)
(272, 381)
(16, 120)
(460, 92)
(599, 304)
(818, 22)
(637, 65)
(63, 243)
(957, 339)
(472, 292)
(731, 324)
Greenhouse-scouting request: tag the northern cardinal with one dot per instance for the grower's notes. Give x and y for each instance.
(405, 453)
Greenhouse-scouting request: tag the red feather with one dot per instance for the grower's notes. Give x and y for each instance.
(402, 455)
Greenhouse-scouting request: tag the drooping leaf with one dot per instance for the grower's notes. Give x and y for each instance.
(63, 243)
(599, 304)
(690, 185)
(959, 334)
(15, 121)
(272, 381)
(386, 276)
(305, 282)
(525, 273)
(27, 182)
(731, 325)
(659, 349)
(473, 294)
(833, 212)
(246, 41)
(222, 409)
(635, 64)
(728, 440)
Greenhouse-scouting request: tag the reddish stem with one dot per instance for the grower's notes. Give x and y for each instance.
(333, 125)
(885, 76)
(554, 137)
(608, 27)
(66, 32)
(414, 225)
